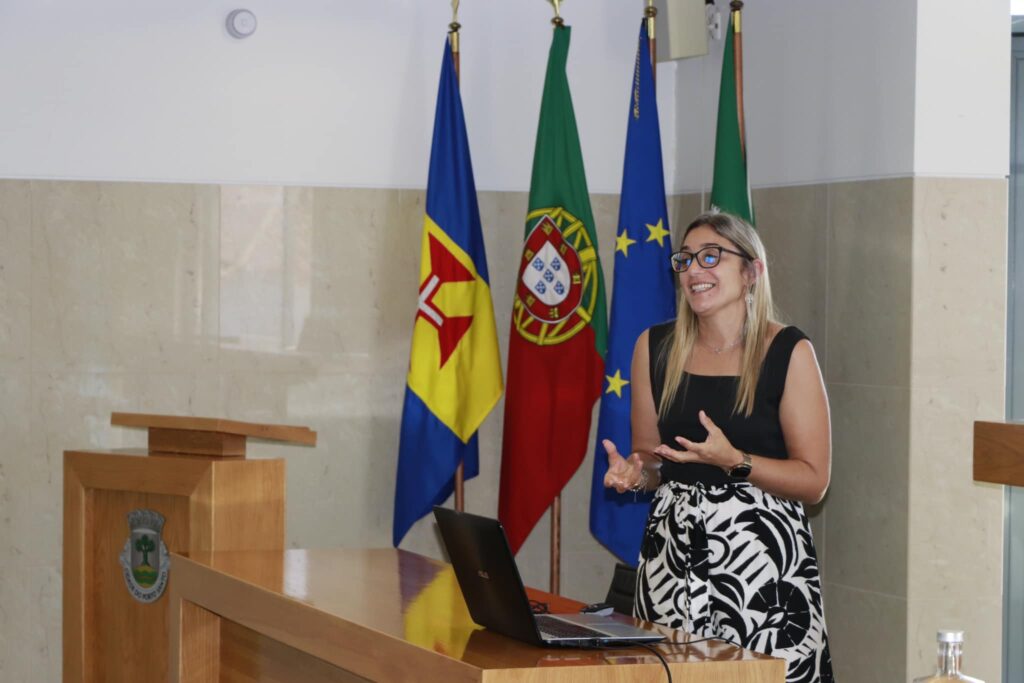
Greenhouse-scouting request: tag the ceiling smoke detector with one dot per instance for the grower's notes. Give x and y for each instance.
(241, 23)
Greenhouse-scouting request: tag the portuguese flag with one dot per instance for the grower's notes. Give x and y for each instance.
(730, 187)
(559, 320)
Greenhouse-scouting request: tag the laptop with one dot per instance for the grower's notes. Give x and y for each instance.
(496, 598)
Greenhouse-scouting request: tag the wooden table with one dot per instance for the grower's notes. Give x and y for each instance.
(334, 615)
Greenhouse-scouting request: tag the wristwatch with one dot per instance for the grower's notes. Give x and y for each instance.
(742, 470)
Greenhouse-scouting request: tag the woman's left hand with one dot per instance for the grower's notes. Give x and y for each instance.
(715, 450)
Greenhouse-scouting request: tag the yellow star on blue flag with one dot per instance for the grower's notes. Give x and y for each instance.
(616, 383)
(657, 232)
(622, 243)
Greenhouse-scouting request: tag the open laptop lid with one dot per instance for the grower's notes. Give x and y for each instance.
(487, 574)
(494, 592)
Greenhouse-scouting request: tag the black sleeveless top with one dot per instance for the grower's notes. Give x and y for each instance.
(759, 434)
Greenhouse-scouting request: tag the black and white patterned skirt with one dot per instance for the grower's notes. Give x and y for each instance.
(736, 563)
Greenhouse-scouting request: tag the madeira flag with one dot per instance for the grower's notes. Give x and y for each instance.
(455, 368)
(559, 319)
(643, 294)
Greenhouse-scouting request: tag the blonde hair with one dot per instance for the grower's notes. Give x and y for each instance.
(678, 346)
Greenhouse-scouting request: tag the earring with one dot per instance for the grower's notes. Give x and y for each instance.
(750, 299)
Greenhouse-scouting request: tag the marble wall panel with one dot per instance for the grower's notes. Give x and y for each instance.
(606, 217)
(867, 634)
(18, 467)
(682, 210)
(118, 276)
(866, 362)
(266, 260)
(957, 377)
(793, 223)
(867, 508)
(341, 491)
(869, 279)
(15, 272)
(318, 280)
(295, 305)
(30, 626)
(956, 533)
(959, 270)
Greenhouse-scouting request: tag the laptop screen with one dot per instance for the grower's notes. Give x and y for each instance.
(487, 573)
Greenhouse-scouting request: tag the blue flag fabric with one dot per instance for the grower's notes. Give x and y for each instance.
(643, 294)
(454, 375)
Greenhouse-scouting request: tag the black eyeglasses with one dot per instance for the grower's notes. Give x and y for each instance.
(708, 258)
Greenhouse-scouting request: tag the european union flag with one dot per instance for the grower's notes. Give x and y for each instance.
(643, 294)
(454, 368)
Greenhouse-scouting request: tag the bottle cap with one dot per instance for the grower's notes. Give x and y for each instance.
(950, 636)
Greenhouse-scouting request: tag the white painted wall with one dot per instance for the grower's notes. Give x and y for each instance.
(962, 117)
(829, 94)
(342, 93)
(326, 92)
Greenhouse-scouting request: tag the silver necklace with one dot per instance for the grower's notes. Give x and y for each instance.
(720, 349)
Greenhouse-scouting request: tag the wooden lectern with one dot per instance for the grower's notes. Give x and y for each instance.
(126, 510)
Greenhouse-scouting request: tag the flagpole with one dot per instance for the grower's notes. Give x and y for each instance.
(555, 576)
(737, 48)
(651, 12)
(453, 38)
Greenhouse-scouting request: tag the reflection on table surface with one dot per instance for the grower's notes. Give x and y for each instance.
(414, 598)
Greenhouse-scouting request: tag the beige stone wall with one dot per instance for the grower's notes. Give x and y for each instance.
(957, 376)
(901, 285)
(291, 305)
(295, 305)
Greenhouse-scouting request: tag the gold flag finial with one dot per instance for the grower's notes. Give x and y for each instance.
(453, 28)
(736, 6)
(650, 12)
(557, 21)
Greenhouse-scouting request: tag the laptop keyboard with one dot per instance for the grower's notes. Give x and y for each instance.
(556, 628)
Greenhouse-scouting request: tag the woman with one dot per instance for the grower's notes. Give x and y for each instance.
(731, 426)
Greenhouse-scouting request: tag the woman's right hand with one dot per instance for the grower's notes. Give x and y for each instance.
(623, 474)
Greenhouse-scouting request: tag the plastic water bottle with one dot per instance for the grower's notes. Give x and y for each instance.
(951, 645)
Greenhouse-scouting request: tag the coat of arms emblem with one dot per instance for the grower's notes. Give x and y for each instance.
(559, 280)
(144, 557)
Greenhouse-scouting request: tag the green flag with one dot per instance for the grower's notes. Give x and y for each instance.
(559, 321)
(730, 188)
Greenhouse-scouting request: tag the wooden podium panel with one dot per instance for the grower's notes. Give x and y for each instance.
(208, 435)
(345, 615)
(999, 452)
(207, 502)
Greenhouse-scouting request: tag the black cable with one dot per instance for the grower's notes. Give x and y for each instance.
(625, 644)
